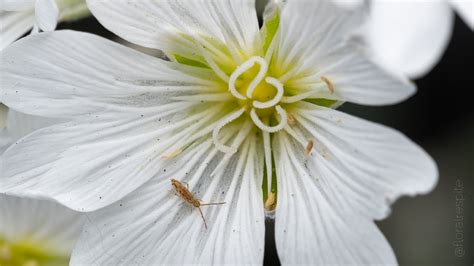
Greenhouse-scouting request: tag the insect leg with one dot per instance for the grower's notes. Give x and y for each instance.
(202, 215)
(212, 203)
(173, 193)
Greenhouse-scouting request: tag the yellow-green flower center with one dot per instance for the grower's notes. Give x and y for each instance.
(25, 253)
(257, 86)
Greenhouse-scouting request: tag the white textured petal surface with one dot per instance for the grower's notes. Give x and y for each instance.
(19, 125)
(310, 29)
(361, 167)
(152, 225)
(3, 115)
(47, 14)
(315, 43)
(356, 78)
(309, 230)
(67, 73)
(465, 9)
(124, 117)
(349, 3)
(13, 25)
(410, 36)
(158, 24)
(16, 5)
(40, 222)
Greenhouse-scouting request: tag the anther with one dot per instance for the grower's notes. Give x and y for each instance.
(328, 83)
(291, 120)
(270, 202)
(309, 148)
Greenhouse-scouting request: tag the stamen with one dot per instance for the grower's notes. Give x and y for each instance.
(223, 122)
(291, 120)
(210, 61)
(285, 77)
(262, 126)
(328, 83)
(296, 136)
(172, 155)
(270, 202)
(280, 91)
(271, 48)
(267, 148)
(309, 148)
(299, 97)
(213, 49)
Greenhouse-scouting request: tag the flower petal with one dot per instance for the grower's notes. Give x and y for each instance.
(53, 227)
(356, 78)
(124, 117)
(13, 25)
(465, 9)
(158, 24)
(310, 29)
(47, 14)
(3, 116)
(16, 5)
(362, 167)
(92, 162)
(309, 230)
(410, 36)
(315, 46)
(67, 73)
(19, 125)
(152, 225)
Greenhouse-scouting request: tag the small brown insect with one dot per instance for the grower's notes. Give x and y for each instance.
(309, 148)
(328, 83)
(184, 193)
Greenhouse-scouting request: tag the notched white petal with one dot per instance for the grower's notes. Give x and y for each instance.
(47, 14)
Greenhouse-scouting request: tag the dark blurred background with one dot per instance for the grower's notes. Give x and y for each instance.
(439, 117)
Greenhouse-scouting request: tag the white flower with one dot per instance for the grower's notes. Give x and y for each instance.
(3, 116)
(411, 36)
(17, 125)
(138, 121)
(36, 232)
(17, 17)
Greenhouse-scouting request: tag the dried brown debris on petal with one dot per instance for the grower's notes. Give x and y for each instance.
(291, 120)
(309, 148)
(328, 83)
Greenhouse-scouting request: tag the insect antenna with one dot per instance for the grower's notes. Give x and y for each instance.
(212, 203)
(202, 215)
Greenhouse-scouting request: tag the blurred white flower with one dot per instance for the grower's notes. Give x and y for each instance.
(17, 17)
(3, 116)
(410, 36)
(36, 232)
(237, 107)
(17, 125)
